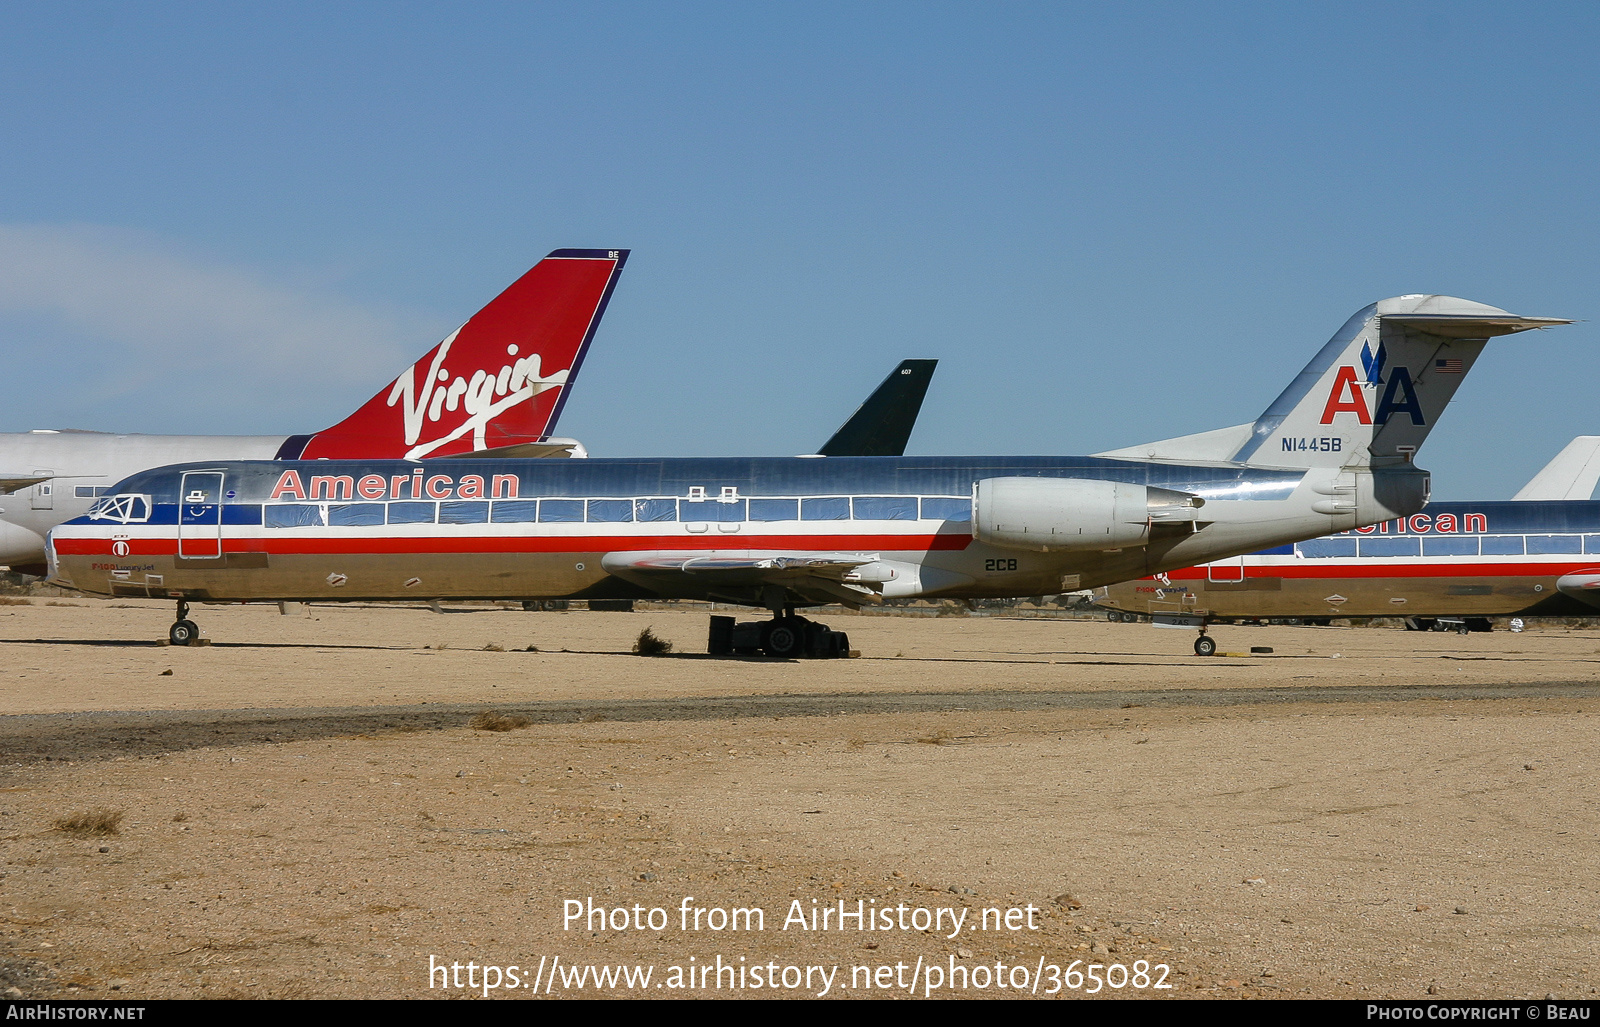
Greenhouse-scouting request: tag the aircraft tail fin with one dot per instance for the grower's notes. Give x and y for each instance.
(1571, 475)
(1370, 396)
(498, 380)
(882, 426)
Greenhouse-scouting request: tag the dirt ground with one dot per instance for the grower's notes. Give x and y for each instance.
(304, 809)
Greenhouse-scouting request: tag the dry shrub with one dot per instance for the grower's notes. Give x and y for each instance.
(939, 738)
(493, 648)
(95, 823)
(15, 601)
(493, 720)
(54, 602)
(651, 644)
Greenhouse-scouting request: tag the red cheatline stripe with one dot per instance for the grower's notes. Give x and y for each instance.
(288, 546)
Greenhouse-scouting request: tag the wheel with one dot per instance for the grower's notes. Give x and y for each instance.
(784, 638)
(183, 632)
(1463, 628)
(1205, 645)
(1113, 616)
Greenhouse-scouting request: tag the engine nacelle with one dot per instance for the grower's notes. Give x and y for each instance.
(1053, 514)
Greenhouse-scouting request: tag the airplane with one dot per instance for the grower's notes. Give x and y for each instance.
(496, 383)
(1455, 565)
(1333, 452)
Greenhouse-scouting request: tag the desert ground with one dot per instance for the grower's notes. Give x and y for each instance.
(305, 809)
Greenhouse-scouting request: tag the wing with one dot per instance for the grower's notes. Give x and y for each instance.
(12, 482)
(748, 578)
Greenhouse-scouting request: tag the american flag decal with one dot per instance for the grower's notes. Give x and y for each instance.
(1450, 365)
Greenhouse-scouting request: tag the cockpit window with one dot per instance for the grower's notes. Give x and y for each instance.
(124, 509)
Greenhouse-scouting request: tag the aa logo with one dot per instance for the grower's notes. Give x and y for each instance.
(1399, 394)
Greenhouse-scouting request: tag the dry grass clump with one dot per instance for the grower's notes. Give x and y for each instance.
(15, 601)
(651, 644)
(492, 647)
(95, 823)
(493, 720)
(939, 738)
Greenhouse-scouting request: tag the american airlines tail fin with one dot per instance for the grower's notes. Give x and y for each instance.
(1571, 475)
(499, 380)
(882, 426)
(1369, 397)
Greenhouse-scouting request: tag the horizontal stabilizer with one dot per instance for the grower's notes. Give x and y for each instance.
(555, 448)
(1571, 475)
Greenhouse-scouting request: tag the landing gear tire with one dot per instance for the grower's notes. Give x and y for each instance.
(1205, 645)
(183, 632)
(1114, 616)
(784, 638)
(1463, 628)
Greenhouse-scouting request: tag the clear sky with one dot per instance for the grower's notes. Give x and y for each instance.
(1111, 223)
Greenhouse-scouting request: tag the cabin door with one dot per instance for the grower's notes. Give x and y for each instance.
(200, 516)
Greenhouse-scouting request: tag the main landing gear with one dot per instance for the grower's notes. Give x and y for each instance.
(785, 636)
(183, 631)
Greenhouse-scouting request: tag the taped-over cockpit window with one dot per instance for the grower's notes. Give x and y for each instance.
(124, 509)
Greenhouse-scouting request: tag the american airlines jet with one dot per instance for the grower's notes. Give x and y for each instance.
(496, 383)
(1333, 452)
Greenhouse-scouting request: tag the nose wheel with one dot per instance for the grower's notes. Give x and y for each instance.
(183, 631)
(1205, 645)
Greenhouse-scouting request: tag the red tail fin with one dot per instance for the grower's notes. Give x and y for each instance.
(498, 380)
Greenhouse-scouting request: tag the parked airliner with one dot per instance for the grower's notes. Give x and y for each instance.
(1454, 565)
(1333, 452)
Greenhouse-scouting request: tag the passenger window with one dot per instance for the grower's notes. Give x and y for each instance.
(463, 512)
(774, 509)
(410, 513)
(294, 515)
(560, 510)
(655, 509)
(610, 510)
(825, 508)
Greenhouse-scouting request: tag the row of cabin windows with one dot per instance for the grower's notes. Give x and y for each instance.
(612, 511)
(1452, 545)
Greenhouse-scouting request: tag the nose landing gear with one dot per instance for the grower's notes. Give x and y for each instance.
(183, 631)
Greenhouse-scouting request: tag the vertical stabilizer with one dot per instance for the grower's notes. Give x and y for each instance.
(882, 426)
(1372, 394)
(1571, 475)
(498, 380)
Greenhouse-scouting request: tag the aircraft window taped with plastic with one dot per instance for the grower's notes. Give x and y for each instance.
(1452, 545)
(128, 509)
(615, 511)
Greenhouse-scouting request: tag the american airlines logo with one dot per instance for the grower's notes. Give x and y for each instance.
(1348, 395)
(482, 397)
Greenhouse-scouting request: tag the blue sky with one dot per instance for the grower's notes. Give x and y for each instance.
(1112, 223)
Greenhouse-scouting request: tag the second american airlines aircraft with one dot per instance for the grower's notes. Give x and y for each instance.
(498, 382)
(1334, 451)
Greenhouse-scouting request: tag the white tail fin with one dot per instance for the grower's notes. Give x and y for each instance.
(1571, 475)
(1369, 397)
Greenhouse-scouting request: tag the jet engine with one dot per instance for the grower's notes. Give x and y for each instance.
(1056, 514)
